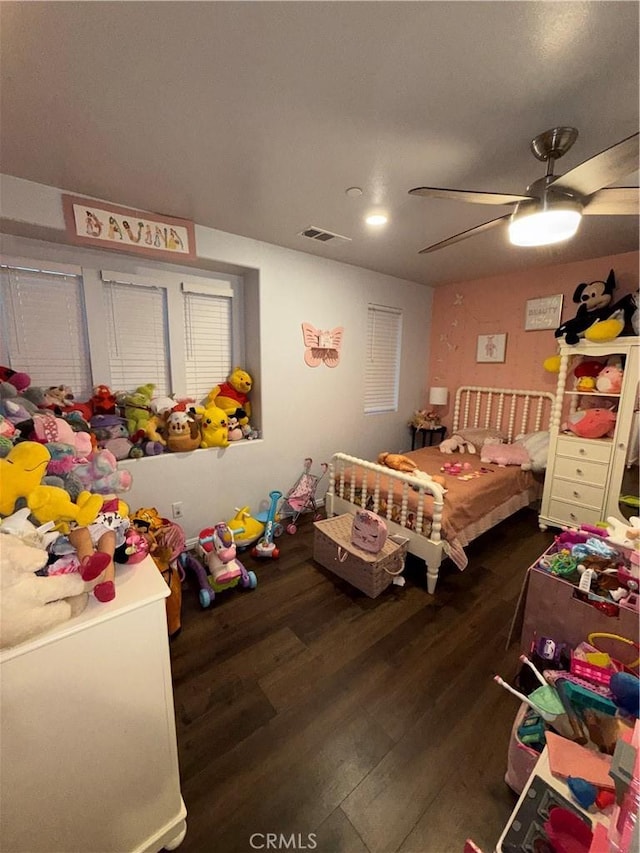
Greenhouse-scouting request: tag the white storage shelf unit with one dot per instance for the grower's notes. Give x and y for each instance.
(584, 475)
(89, 754)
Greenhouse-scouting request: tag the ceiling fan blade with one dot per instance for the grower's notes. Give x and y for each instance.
(603, 169)
(486, 226)
(473, 196)
(614, 201)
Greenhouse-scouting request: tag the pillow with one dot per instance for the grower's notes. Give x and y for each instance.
(478, 435)
(506, 454)
(537, 446)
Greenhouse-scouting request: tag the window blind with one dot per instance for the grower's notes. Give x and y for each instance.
(208, 342)
(136, 318)
(382, 371)
(43, 324)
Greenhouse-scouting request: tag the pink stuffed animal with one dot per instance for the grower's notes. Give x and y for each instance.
(506, 454)
(609, 380)
(592, 423)
(47, 428)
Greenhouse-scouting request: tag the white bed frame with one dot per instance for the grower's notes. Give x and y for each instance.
(475, 406)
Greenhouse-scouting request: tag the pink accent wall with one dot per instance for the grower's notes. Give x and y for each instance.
(464, 310)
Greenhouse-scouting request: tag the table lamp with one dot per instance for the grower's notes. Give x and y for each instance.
(438, 397)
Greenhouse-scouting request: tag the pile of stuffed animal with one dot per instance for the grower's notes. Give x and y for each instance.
(129, 424)
(62, 524)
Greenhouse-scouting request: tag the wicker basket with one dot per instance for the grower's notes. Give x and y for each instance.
(370, 573)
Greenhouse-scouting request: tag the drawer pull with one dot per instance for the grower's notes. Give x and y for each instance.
(573, 516)
(576, 494)
(579, 471)
(582, 451)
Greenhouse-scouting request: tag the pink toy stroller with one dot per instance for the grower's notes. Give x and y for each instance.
(302, 496)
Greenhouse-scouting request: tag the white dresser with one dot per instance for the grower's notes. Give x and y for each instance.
(584, 476)
(89, 759)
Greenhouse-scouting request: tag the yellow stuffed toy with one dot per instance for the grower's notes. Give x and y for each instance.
(232, 394)
(214, 427)
(51, 503)
(21, 472)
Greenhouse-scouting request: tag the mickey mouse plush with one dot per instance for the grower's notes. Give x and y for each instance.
(594, 299)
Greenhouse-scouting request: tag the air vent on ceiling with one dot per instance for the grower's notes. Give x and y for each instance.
(321, 234)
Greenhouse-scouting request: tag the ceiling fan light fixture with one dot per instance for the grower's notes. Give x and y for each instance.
(554, 223)
(377, 219)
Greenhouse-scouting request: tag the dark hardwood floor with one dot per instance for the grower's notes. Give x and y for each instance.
(305, 707)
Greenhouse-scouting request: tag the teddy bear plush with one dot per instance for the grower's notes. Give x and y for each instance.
(456, 442)
(232, 394)
(31, 604)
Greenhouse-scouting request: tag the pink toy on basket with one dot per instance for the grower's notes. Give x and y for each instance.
(368, 531)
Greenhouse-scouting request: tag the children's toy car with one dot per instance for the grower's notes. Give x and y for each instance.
(217, 550)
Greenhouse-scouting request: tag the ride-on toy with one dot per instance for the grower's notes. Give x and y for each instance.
(216, 547)
(246, 529)
(266, 547)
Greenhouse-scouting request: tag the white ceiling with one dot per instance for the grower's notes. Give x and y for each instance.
(254, 117)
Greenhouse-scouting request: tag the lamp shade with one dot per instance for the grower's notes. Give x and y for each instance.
(438, 396)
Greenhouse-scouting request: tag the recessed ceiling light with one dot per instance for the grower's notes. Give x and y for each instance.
(353, 192)
(376, 219)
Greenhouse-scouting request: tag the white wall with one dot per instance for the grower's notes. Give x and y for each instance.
(303, 411)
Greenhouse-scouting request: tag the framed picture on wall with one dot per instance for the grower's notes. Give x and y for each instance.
(543, 313)
(491, 347)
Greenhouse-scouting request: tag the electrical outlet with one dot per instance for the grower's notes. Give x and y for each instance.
(176, 509)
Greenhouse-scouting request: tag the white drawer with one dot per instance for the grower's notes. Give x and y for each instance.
(580, 471)
(598, 450)
(572, 514)
(580, 493)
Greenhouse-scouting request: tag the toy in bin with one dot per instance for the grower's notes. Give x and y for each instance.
(266, 547)
(216, 547)
(302, 495)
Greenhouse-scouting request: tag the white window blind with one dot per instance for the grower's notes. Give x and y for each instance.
(43, 324)
(382, 372)
(208, 342)
(136, 318)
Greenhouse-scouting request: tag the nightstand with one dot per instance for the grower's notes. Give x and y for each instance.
(427, 431)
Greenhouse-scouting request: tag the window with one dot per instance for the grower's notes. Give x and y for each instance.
(136, 320)
(82, 325)
(382, 372)
(42, 323)
(208, 336)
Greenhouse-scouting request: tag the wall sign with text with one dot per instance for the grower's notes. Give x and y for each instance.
(543, 313)
(96, 223)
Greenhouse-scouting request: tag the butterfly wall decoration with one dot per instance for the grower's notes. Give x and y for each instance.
(322, 346)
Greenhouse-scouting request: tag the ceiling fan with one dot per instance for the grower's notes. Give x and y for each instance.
(553, 206)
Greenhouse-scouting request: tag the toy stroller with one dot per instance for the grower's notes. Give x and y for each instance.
(302, 496)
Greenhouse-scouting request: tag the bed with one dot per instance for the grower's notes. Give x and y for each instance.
(439, 522)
